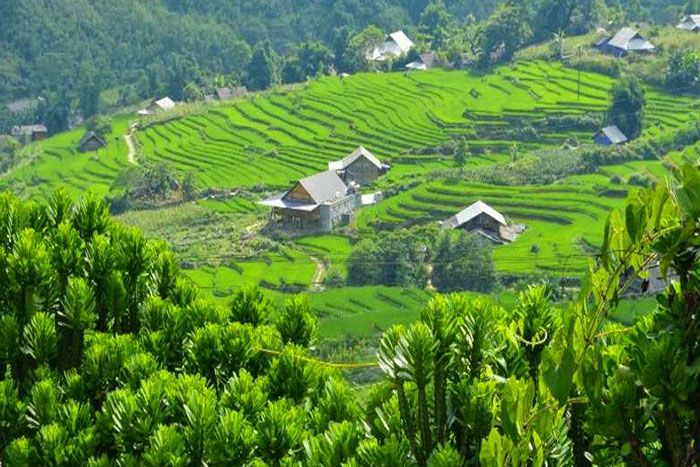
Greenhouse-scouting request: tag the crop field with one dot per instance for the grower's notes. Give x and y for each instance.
(562, 219)
(277, 138)
(367, 311)
(57, 162)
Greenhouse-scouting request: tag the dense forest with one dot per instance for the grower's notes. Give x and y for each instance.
(71, 52)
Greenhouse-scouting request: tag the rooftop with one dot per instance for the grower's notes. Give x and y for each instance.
(473, 211)
(352, 157)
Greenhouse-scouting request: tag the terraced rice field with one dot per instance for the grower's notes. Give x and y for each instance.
(294, 268)
(563, 220)
(277, 138)
(59, 163)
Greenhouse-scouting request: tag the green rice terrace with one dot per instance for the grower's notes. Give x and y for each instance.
(265, 142)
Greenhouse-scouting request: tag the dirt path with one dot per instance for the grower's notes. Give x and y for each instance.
(131, 155)
(317, 280)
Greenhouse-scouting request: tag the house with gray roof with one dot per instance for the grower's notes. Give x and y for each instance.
(690, 23)
(484, 220)
(626, 41)
(610, 136)
(227, 93)
(360, 166)
(26, 134)
(317, 203)
(158, 106)
(395, 44)
(91, 142)
(426, 61)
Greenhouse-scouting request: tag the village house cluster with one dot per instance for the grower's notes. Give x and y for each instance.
(323, 201)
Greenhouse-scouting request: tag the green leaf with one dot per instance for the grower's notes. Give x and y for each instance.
(558, 370)
(626, 449)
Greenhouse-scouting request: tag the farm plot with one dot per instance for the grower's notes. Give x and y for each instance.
(57, 162)
(280, 137)
(564, 221)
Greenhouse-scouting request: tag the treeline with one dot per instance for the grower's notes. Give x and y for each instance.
(111, 358)
(72, 52)
(450, 261)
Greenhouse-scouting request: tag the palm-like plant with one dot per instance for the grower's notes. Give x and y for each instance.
(296, 323)
(101, 260)
(416, 352)
(393, 363)
(279, 431)
(60, 207)
(135, 262)
(30, 276)
(43, 404)
(233, 443)
(440, 316)
(39, 339)
(536, 324)
(166, 448)
(90, 217)
(76, 316)
(66, 255)
(250, 305)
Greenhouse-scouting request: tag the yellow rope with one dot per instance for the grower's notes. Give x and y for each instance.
(340, 366)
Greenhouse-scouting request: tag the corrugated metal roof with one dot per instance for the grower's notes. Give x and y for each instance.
(90, 135)
(352, 157)
(402, 40)
(224, 93)
(165, 103)
(473, 211)
(614, 134)
(279, 202)
(629, 39)
(689, 22)
(324, 187)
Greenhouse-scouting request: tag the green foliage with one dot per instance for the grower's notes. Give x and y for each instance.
(296, 324)
(683, 73)
(627, 106)
(250, 305)
(463, 264)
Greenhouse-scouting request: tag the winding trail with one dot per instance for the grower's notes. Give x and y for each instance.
(317, 281)
(131, 155)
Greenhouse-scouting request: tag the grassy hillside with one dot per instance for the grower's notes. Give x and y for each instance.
(281, 137)
(274, 138)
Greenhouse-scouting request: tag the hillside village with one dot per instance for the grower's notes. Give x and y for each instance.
(350, 234)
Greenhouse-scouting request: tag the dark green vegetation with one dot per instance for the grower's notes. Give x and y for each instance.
(85, 57)
(112, 359)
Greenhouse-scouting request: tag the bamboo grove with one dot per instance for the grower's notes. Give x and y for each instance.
(110, 358)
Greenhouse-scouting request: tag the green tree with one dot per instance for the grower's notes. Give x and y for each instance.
(100, 124)
(436, 24)
(683, 74)
(361, 46)
(262, 68)
(503, 33)
(461, 154)
(627, 106)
